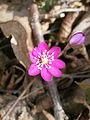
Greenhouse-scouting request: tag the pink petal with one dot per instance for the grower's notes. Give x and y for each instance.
(32, 57)
(33, 70)
(56, 51)
(82, 41)
(35, 51)
(42, 47)
(55, 71)
(58, 63)
(46, 75)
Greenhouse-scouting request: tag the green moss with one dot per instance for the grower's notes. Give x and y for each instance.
(87, 91)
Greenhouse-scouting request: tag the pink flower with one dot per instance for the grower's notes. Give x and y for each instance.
(46, 62)
(77, 38)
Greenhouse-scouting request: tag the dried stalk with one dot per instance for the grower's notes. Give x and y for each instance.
(62, 10)
(59, 112)
(35, 24)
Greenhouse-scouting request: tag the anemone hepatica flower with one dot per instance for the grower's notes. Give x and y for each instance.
(77, 38)
(45, 62)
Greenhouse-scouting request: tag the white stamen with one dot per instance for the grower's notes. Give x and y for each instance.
(34, 48)
(37, 62)
(53, 53)
(40, 68)
(46, 65)
(48, 56)
(39, 53)
(45, 51)
(44, 59)
(49, 66)
(35, 58)
(39, 56)
(50, 62)
(52, 57)
(41, 65)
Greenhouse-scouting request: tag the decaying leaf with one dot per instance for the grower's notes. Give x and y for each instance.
(11, 77)
(66, 27)
(17, 25)
(21, 111)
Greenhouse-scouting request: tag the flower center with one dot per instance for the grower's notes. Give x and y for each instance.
(44, 60)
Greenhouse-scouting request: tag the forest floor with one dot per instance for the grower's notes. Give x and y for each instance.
(23, 97)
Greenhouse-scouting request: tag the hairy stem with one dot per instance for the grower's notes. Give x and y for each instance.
(58, 110)
(35, 24)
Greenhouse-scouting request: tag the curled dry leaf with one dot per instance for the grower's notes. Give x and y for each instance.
(16, 23)
(66, 27)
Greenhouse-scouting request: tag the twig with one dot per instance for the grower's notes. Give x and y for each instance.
(76, 76)
(18, 99)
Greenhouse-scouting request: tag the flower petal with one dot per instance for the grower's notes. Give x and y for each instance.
(42, 47)
(55, 71)
(32, 58)
(35, 51)
(58, 63)
(82, 41)
(46, 75)
(33, 70)
(56, 51)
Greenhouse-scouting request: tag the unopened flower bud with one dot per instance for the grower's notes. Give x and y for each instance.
(77, 38)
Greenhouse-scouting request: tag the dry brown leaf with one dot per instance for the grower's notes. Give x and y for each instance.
(18, 26)
(48, 115)
(66, 27)
(10, 79)
(21, 111)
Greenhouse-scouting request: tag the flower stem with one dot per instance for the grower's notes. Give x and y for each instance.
(58, 110)
(68, 46)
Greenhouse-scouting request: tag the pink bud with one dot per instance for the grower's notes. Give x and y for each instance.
(77, 38)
